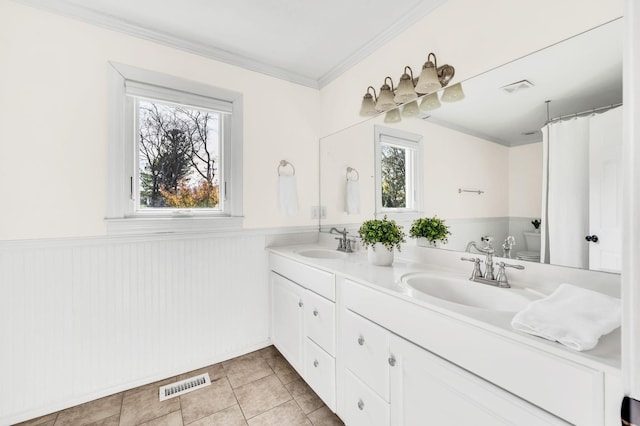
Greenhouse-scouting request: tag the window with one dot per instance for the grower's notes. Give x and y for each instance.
(398, 171)
(175, 159)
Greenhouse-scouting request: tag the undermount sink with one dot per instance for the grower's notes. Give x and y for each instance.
(322, 254)
(469, 293)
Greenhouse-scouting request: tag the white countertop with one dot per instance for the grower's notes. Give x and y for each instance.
(606, 356)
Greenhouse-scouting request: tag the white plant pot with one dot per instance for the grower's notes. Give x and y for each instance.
(379, 255)
(423, 242)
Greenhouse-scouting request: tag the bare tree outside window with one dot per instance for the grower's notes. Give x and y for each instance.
(178, 156)
(394, 191)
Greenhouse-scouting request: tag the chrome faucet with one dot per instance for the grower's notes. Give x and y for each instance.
(488, 277)
(488, 251)
(344, 244)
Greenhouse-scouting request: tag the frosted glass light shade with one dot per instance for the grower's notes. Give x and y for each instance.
(430, 102)
(453, 93)
(405, 91)
(410, 110)
(428, 81)
(393, 116)
(368, 107)
(385, 100)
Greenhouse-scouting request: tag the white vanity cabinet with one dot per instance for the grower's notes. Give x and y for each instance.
(391, 381)
(427, 390)
(303, 322)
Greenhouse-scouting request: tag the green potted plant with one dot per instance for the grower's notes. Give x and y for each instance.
(380, 237)
(429, 231)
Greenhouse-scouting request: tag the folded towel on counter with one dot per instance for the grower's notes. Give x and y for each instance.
(352, 201)
(573, 316)
(287, 195)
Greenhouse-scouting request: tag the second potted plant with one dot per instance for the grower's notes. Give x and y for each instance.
(429, 231)
(380, 237)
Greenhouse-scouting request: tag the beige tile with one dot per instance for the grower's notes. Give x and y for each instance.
(47, 420)
(287, 414)
(206, 401)
(109, 421)
(246, 369)
(171, 419)
(304, 396)
(90, 412)
(262, 395)
(283, 369)
(215, 372)
(324, 417)
(269, 352)
(231, 416)
(143, 406)
(154, 385)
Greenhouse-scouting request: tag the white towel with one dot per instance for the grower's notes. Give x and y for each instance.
(287, 195)
(571, 315)
(352, 198)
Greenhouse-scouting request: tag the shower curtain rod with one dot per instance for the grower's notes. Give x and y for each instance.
(576, 114)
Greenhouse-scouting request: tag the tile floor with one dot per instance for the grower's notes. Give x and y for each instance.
(259, 388)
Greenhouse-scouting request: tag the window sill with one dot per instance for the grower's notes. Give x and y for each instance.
(172, 225)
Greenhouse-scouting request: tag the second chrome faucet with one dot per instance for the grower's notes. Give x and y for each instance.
(488, 277)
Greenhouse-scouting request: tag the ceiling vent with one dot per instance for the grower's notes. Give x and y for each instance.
(517, 86)
(184, 386)
(530, 133)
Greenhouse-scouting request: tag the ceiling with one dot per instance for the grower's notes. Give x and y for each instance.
(303, 41)
(578, 74)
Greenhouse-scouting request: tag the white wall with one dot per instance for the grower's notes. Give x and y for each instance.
(54, 118)
(525, 180)
(452, 160)
(473, 36)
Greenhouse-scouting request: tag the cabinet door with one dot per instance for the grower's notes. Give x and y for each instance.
(286, 319)
(427, 390)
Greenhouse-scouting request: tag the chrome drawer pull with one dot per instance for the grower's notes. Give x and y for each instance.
(315, 363)
(361, 404)
(392, 361)
(361, 341)
(315, 312)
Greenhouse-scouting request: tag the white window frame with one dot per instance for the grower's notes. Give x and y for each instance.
(123, 216)
(415, 185)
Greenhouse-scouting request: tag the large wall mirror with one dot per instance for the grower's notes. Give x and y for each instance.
(492, 163)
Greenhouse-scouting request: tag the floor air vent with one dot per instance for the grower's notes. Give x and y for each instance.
(184, 386)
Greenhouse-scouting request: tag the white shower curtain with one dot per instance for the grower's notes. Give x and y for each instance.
(566, 207)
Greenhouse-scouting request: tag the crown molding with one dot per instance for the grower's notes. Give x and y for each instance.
(61, 7)
(416, 14)
(64, 8)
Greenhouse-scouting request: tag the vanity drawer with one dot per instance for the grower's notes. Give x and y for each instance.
(366, 348)
(320, 322)
(316, 280)
(320, 373)
(363, 407)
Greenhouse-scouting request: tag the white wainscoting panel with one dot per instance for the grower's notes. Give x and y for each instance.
(85, 318)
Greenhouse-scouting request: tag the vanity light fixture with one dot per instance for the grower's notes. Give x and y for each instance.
(431, 79)
(368, 107)
(385, 99)
(430, 102)
(393, 116)
(411, 109)
(432, 76)
(453, 93)
(405, 91)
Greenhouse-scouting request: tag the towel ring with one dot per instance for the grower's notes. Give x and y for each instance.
(352, 170)
(285, 163)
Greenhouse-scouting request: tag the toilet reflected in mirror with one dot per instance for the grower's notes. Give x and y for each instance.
(532, 245)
